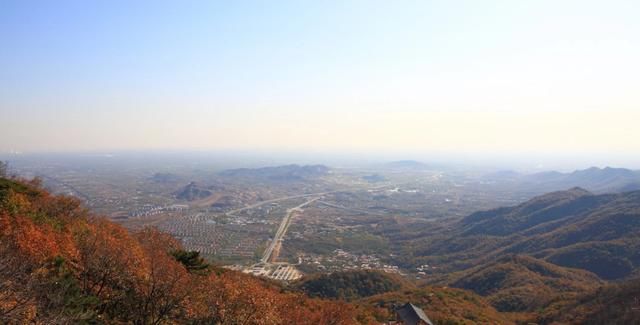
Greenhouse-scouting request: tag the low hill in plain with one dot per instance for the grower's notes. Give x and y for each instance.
(192, 192)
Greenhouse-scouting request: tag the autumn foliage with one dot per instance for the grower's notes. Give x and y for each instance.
(60, 264)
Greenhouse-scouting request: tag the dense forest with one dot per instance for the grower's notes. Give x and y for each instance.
(523, 283)
(350, 285)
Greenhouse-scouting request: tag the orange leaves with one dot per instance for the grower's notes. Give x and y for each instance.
(238, 298)
(302, 310)
(33, 229)
(36, 243)
(109, 257)
(164, 284)
(63, 209)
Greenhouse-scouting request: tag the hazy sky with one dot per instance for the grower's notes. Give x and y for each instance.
(448, 76)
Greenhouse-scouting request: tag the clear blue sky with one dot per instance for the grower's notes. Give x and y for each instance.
(471, 76)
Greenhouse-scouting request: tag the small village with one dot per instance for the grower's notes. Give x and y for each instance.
(341, 260)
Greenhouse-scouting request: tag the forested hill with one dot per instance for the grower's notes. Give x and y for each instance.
(615, 304)
(523, 283)
(573, 228)
(553, 250)
(351, 284)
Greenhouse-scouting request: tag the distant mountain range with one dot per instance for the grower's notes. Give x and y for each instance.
(374, 178)
(407, 165)
(164, 178)
(599, 180)
(279, 173)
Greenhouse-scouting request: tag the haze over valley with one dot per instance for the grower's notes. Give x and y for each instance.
(334, 162)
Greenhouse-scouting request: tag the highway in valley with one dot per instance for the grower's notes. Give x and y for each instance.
(268, 266)
(282, 230)
(233, 212)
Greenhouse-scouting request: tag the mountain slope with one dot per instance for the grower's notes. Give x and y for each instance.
(614, 304)
(541, 209)
(523, 283)
(576, 229)
(443, 306)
